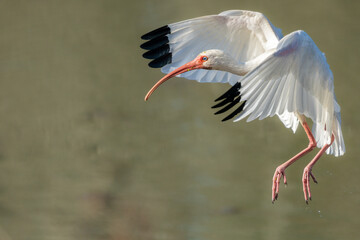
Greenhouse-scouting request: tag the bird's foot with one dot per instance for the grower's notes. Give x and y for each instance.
(306, 183)
(279, 172)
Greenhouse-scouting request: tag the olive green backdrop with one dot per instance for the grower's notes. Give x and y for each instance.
(82, 156)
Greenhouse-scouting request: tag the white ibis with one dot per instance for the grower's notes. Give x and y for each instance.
(271, 75)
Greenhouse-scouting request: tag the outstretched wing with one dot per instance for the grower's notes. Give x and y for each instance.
(295, 78)
(242, 34)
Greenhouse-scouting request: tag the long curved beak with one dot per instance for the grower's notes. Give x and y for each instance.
(194, 64)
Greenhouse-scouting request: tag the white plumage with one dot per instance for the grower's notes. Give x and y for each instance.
(295, 79)
(284, 76)
(296, 68)
(244, 35)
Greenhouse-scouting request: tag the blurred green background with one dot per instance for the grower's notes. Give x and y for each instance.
(82, 156)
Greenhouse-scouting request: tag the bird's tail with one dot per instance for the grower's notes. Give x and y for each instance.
(337, 148)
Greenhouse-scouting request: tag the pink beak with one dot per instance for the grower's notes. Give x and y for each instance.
(194, 64)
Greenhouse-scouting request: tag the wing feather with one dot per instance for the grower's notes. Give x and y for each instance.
(242, 34)
(302, 83)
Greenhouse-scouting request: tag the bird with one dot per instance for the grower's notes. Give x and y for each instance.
(270, 74)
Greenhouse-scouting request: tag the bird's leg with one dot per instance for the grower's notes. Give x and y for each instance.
(280, 170)
(307, 171)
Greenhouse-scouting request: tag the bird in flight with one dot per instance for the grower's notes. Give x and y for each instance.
(270, 75)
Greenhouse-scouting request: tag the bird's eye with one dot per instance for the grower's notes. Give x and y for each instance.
(204, 58)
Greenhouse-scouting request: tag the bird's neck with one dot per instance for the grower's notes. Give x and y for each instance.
(243, 68)
(240, 69)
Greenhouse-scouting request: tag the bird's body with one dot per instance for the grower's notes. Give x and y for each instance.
(271, 75)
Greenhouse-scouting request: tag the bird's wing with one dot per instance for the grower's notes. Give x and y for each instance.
(294, 79)
(242, 34)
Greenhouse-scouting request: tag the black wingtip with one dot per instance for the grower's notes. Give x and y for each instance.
(225, 101)
(161, 61)
(155, 43)
(156, 33)
(230, 105)
(222, 103)
(231, 98)
(157, 52)
(233, 114)
(232, 91)
(158, 46)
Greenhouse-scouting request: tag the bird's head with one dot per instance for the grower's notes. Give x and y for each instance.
(216, 59)
(210, 59)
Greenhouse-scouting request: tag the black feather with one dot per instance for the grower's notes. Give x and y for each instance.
(232, 92)
(233, 103)
(157, 52)
(156, 33)
(222, 103)
(231, 97)
(155, 43)
(234, 113)
(161, 61)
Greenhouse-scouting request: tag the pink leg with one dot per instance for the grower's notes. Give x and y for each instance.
(307, 171)
(280, 170)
